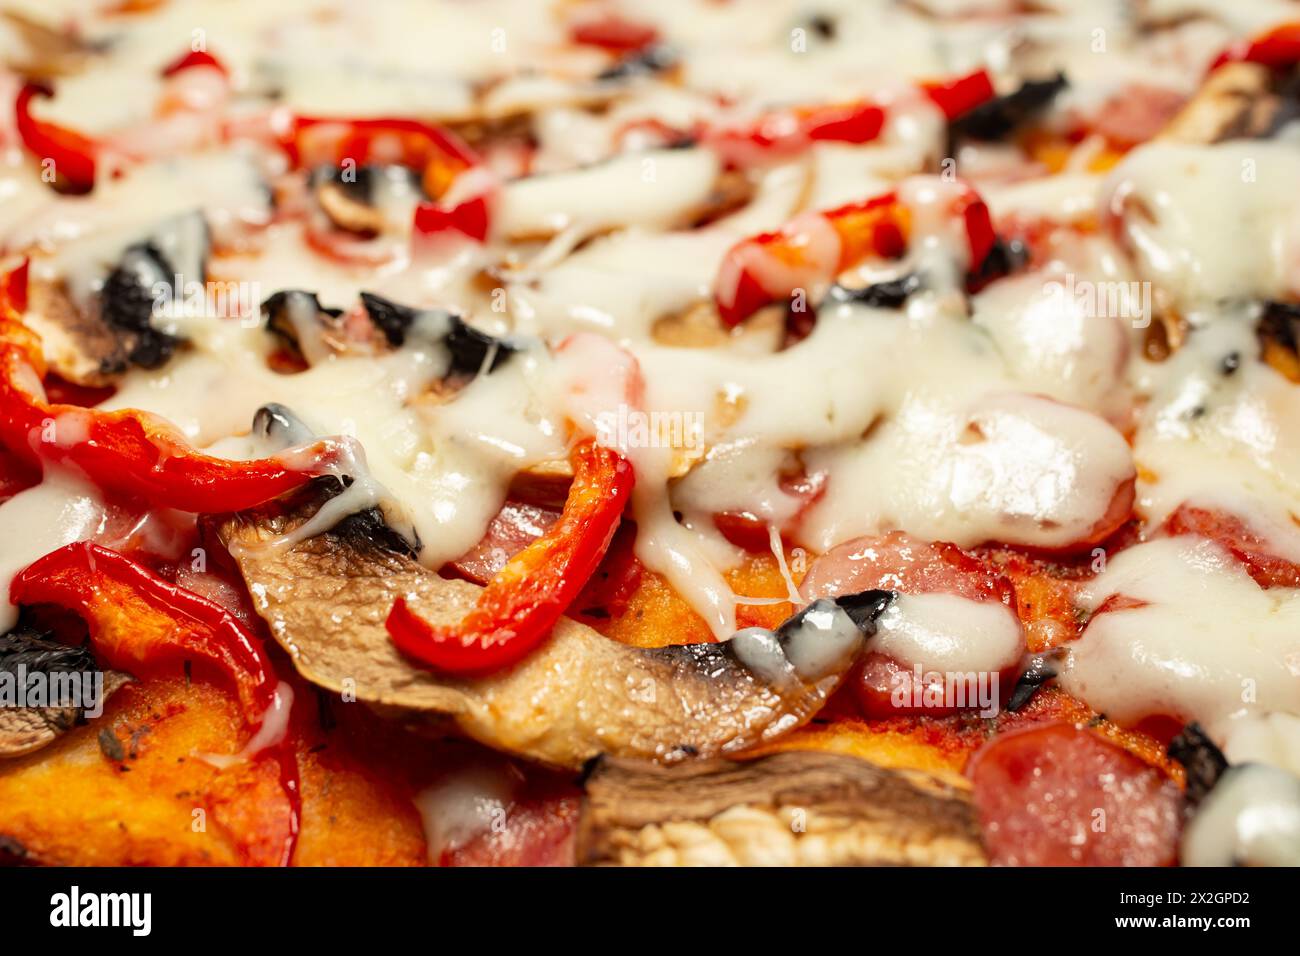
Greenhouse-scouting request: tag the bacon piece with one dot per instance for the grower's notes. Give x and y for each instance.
(517, 525)
(1057, 795)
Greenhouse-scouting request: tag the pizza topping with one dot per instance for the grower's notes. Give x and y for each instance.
(29, 657)
(1199, 245)
(576, 695)
(524, 600)
(101, 585)
(995, 118)
(820, 640)
(789, 809)
(487, 812)
(314, 332)
(953, 619)
(1203, 761)
(809, 251)
(1156, 645)
(73, 155)
(1235, 102)
(1275, 48)
(1250, 818)
(1055, 795)
(471, 350)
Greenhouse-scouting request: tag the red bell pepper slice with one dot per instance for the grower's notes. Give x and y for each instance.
(959, 95)
(520, 606)
(814, 247)
(194, 58)
(145, 625)
(129, 452)
(470, 218)
(770, 266)
(440, 153)
(614, 33)
(74, 155)
(786, 132)
(1276, 49)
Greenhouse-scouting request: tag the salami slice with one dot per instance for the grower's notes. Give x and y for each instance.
(1057, 795)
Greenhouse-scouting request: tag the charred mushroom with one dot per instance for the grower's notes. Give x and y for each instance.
(789, 809)
(1002, 115)
(366, 200)
(1201, 758)
(1279, 337)
(1236, 101)
(107, 315)
(38, 699)
(469, 347)
(654, 59)
(581, 694)
(308, 329)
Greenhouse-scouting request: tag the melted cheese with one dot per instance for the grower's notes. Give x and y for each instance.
(949, 634)
(60, 510)
(1019, 414)
(1212, 222)
(1206, 644)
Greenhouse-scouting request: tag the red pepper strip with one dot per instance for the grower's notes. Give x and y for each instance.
(814, 247)
(960, 95)
(518, 608)
(788, 131)
(1276, 49)
(73, 154)
(13, 287)
(135, 455)
(128, 452)
(192, 59)
(313, 141)
(810, 249)
(469, 218)
(143, 624)
(614, 33)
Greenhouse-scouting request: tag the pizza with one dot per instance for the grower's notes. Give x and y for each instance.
(492, 432)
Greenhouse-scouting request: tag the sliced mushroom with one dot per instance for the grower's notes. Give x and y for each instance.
(24, 654)
(79, 347)
(790, 809)
(654, 59)
(1278, 331)
(1236, 101)
(579, 695)
(115, 305)
(367, 200)
(470, 348)
(308, 329)
(128, 304)
(1000, 116)
(1201, 758)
